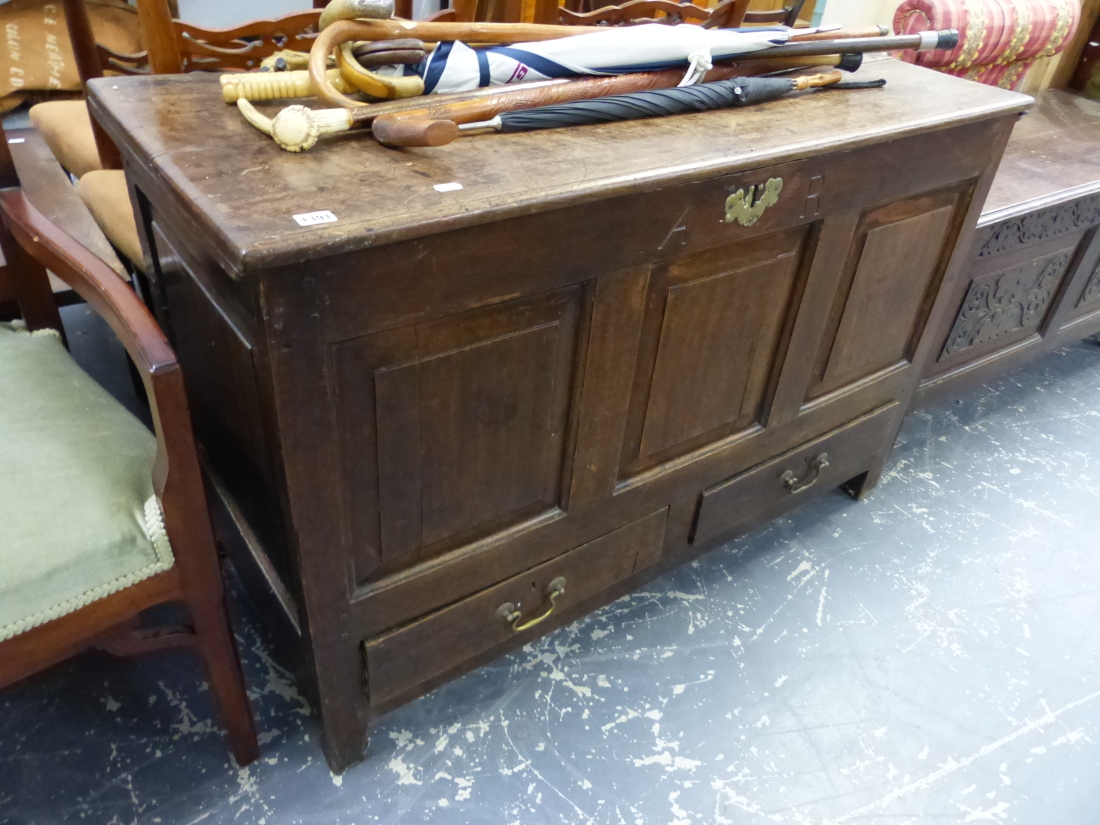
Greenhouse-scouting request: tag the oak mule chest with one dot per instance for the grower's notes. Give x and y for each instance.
(520, 374)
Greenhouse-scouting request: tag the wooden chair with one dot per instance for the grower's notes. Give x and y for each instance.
(99, 519)
(729, 14)
(785, 16)
(172, 46)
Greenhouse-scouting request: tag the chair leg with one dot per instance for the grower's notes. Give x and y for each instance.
(219, 653)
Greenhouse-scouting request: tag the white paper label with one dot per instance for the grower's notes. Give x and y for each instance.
(314, 218)
(16, 140)
(453, 186)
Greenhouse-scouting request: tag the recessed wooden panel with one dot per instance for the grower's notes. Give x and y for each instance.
(713, 325)
(893, 270)
(454, 429)
(488, 425)
(220, 373)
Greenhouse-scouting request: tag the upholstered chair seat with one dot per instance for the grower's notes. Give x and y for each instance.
(66, 126)
(107, 197)
(80, 519)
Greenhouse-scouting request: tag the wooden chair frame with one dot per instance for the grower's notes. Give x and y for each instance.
(729, 13)
(726, 14)
(31, 244)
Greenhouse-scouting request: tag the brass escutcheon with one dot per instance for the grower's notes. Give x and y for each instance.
(510, 614)
(742, 208)
(793, 485)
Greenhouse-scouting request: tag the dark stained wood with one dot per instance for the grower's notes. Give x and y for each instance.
(456, 389)
(1033, 276)
(1052, 151)
(88, 67)
(893, 268)
(443, 641)
(480, 401)
(784, 15)
(385, 195)
(714, 322)
(49, 188)
(770, 488)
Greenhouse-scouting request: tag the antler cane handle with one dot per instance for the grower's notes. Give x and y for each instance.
(297, 128)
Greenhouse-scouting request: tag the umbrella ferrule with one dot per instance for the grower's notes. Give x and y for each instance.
(492, 125)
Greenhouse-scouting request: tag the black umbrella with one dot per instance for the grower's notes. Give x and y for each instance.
(738, 91)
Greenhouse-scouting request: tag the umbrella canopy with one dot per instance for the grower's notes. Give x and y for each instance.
(455, 67)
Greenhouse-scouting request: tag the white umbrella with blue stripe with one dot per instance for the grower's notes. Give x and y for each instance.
(455, 67)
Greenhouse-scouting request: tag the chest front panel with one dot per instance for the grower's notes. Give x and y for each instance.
(642, 348)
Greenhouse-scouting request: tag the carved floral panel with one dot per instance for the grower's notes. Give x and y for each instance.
(1092, 288)
(1039, 226)
(1012, 300)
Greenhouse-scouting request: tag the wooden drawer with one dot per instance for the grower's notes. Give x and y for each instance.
(817, 465)
(400, 661)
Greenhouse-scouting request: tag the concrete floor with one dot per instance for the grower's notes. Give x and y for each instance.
(929, 655)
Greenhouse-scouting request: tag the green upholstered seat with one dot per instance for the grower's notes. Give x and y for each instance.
(78, 516)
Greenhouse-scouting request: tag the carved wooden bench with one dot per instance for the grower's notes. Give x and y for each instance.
(1033, 281)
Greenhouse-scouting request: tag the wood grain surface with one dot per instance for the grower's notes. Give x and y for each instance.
(1053, 149)
(244, 190)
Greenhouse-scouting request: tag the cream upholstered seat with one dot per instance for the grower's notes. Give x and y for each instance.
(107, 197)
(66, 126)
(79, 517)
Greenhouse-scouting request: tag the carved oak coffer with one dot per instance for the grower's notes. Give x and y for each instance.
(518, 375)
(1032, 281)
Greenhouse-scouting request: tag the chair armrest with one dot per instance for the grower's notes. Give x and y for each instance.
(92, 279)
(139, 333)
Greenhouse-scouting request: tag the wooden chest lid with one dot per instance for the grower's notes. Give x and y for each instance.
(242, 191)
(1052, 157)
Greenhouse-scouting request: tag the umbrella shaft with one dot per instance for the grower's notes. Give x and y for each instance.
(919, 42)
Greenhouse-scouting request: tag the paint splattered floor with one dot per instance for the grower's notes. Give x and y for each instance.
(929, 655)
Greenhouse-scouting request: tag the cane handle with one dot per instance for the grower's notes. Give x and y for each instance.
(405, 131)
(375, 85)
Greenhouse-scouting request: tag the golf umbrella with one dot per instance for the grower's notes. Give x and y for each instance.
(455, 67)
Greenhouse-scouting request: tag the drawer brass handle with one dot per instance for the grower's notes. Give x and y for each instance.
(791, 481)
(746, 209)
(510, 614)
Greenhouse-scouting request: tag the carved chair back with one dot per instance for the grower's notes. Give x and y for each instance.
(174, 46)
(728, 14)
(724, 15)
